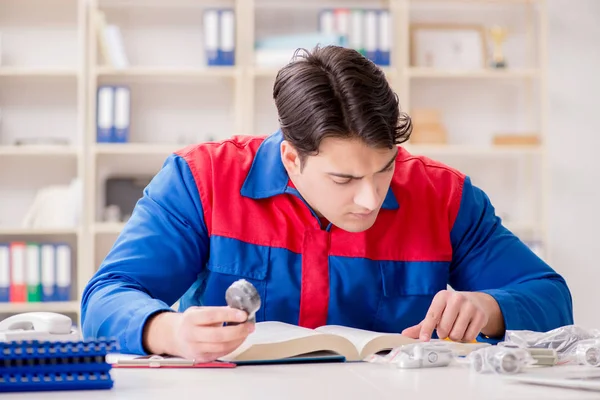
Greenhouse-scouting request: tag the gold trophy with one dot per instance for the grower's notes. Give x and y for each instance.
(498, 35)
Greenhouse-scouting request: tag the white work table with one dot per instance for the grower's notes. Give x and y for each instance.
(314, 381)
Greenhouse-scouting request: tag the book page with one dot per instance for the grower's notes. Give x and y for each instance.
(276, 332)
(271, 332)
(359, 337)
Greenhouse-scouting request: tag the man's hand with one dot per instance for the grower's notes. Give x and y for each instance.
(198, 333)
(460, 316)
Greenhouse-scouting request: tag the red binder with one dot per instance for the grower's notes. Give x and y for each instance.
(18, 283)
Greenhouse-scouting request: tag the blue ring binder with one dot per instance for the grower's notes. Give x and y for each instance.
(43, 366)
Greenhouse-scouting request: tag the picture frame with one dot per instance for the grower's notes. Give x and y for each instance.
(448, 46)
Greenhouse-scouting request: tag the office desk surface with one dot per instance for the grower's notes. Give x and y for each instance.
(313, 382)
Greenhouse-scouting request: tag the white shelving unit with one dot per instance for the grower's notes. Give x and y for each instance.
(176, 99)
(43, 79)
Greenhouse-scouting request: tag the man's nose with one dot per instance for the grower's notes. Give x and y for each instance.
(367, 196)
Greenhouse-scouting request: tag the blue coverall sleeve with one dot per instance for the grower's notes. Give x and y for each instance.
(488, 258)
(156, 258)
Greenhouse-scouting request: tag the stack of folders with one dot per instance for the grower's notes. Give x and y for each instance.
(113, 114)
(45, 366)
(368, 31)
(219, 37)
(35, 272)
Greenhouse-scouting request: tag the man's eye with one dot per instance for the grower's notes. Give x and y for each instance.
(342, 182)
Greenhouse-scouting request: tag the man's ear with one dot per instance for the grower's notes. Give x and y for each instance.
(290, 158)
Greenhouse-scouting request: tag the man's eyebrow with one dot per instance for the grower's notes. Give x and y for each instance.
(348, 176)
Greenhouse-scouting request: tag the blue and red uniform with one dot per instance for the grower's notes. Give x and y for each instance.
(218, 212)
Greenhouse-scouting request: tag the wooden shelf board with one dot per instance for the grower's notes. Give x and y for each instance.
(136, 148)
(59, 307)
(466, 150)
(39, 150)
(271, 72)
(168, 72)
(10, 231)
(416, 73)
(37, 72)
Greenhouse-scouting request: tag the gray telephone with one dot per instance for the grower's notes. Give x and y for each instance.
(42, 326)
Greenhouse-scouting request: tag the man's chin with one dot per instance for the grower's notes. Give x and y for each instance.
(356, 226)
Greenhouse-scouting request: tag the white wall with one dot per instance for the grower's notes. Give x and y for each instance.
(574, 107)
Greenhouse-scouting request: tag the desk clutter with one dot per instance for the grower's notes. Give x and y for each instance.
(45, 366)
(521, 350)
(43, 351)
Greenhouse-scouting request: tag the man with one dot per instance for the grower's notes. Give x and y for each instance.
(330, 220)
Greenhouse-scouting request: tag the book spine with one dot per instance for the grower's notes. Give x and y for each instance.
(4, 272)
(122, 114)
(371, 35)
(384, 47)
(34, 285)
(227, 42)
(342, 24)
(18, 286)
(48, 272)
(63, 272)
(356, 39)
(211, 36)
(105, 114)
(327, 22)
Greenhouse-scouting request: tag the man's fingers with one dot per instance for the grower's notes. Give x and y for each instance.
(433, 316)
(475, 327)
(220, 334)
(465, 315)
(205, 352)
(453, 306)
(214, 315)
(220, 349)
(412, 332)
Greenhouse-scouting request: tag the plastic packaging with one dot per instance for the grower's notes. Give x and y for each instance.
(542, 357)
(416, 355)
(587, 352)
(500, 360)
(564, 340)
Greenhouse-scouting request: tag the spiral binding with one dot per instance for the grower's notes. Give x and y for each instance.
(39, 365)
(18, 382)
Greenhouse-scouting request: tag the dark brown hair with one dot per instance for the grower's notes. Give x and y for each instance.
(336, 92)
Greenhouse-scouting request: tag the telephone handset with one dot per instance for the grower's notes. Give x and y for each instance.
(42, 326)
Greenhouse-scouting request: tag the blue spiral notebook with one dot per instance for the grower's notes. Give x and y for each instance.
(42, 366)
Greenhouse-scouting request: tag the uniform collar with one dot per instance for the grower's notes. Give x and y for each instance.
(267, 176)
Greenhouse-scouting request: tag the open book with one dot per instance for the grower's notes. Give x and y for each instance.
(277, 341)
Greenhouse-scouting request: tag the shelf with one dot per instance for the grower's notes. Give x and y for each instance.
(446, 2)
(466, 150)
(168, 72)
(271, 72)
(137, 148)
(318, 4)
(482, 74)
(110, 228)
(37, 72)
(192, 4)
(39, 150)
(6, 231)
(59, 307)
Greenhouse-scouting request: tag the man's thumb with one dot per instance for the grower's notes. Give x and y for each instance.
(413, 331)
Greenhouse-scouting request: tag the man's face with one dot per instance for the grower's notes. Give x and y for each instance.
(346, 182)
